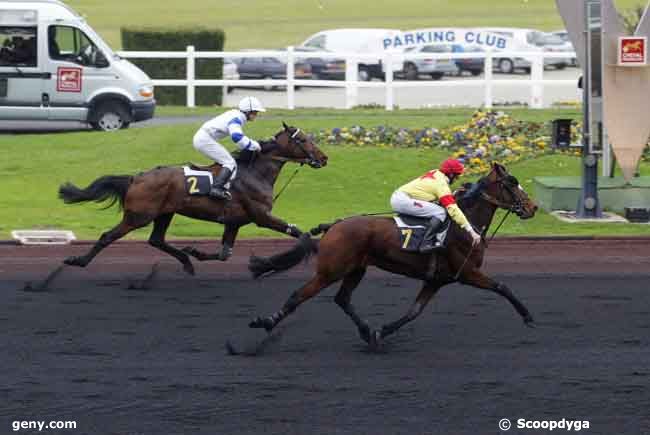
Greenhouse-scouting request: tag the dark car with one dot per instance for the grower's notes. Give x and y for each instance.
(269, 67)
(323, 68)
(474, 66)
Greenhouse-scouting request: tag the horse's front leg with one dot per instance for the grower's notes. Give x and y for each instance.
(267, 220)
(476, 278)
(227, 243)
(429, 289)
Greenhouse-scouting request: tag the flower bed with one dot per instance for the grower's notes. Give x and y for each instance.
(488, 136)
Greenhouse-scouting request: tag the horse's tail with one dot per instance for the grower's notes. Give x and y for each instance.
(113, 187)
(301, 251)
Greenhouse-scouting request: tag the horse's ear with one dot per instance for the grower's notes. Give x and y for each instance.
(286, 127)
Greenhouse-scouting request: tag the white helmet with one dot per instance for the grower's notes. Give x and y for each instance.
(251, 104)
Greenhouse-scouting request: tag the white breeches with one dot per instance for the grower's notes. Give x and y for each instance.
(207, 146)
(403, 203)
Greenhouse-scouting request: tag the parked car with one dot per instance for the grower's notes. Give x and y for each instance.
(362, 41)
(473, 65)
(524, 40)
(229, 72)
(270, 67)
(555, 44)
(323, 68)
(564, 36)
(436, 68)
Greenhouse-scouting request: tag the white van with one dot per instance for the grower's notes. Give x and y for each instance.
(53, 66)
(362, 41)
(524, 40)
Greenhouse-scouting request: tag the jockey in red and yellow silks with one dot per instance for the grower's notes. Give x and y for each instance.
(421, 197)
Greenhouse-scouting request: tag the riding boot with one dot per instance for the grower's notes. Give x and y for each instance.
(430, 241)
(218, 189)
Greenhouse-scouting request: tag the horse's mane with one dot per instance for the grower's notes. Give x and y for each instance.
(247, 157)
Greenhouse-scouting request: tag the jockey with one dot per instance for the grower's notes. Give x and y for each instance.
(227, 124)
(420, 198)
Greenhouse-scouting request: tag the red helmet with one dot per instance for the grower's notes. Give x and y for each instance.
(452, 166)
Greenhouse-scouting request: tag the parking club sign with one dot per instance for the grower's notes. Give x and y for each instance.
(632, 50)
(68, 80)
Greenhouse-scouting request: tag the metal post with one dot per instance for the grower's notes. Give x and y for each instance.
(190, 77)
(588, 203)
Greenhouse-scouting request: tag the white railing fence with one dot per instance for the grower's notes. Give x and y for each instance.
(352, 83)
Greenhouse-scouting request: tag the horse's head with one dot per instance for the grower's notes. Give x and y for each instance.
(503, 190)
(293, 144)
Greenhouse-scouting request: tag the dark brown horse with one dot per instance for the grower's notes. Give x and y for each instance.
(156, 195)
(351, 245)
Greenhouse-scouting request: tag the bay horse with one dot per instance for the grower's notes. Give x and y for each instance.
(156, 195)
(350, 245)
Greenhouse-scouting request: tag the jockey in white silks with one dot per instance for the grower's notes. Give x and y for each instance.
(206, 140)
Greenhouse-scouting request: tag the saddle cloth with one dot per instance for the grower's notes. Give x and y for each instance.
(197, 182)
(411, 230)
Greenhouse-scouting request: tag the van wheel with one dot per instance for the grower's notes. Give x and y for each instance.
(506, 66)
(111, 117)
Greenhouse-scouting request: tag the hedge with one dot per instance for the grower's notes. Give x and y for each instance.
(152, 39)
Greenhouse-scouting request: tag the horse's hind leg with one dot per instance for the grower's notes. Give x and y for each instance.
(130, 222)
(428, 291)
(309, 290)
(157, 240)
(342, 299)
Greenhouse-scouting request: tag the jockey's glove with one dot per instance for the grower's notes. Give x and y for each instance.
(476, 237)
(254, 146)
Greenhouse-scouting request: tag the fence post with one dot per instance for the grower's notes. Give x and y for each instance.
(351, 77)
(537, 89)
(190, 76)
(291, 97)
(487, 72)
(388, 74)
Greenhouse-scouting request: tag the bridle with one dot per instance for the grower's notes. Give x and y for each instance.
(300, 143)
(516, 206)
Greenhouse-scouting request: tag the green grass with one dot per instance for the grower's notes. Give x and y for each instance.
(357, 180)
(278, 23)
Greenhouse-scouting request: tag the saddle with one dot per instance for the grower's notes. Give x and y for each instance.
(412, 230)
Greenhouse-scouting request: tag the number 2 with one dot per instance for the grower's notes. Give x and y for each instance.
(193, 182)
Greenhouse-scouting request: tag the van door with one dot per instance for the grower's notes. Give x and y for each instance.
(78, 69)
(21, 78)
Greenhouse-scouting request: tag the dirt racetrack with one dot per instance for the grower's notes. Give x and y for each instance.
(121, 360)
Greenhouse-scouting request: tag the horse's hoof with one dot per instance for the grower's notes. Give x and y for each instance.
(364, 332)
(528, 321)
(375, 340)
(260, 322)
(189, 268)
(74, 261)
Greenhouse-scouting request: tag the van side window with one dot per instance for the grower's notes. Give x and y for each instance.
(72, 45)
(18, 46)
(316, 42)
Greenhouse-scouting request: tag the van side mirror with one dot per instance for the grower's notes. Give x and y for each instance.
(101, 61)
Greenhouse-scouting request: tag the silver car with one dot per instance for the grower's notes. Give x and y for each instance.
(436, 68)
